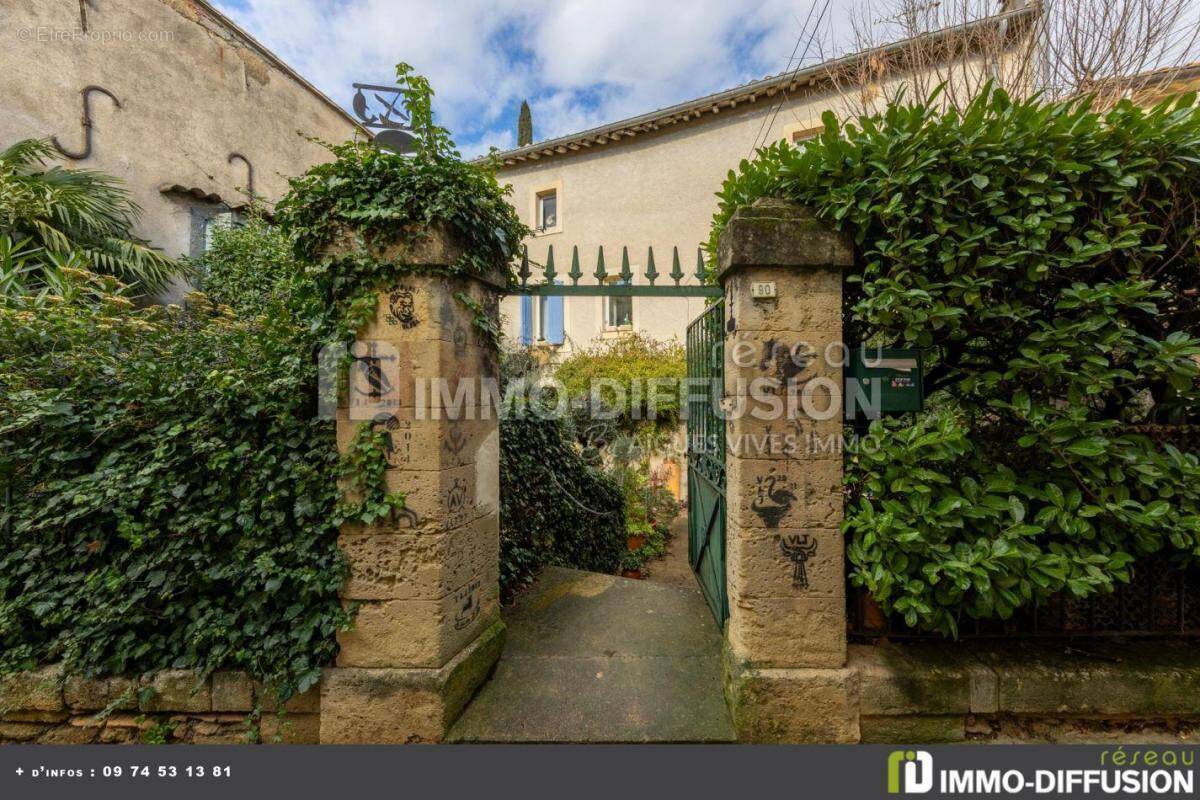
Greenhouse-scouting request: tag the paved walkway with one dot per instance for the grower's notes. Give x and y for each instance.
(597, 658)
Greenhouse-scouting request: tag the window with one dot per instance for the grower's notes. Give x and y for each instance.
(542, 321)
(796, 135)
(618, 311)
(224, 219)
(547, 210)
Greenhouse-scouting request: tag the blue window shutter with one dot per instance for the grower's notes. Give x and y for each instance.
(526, 320)
(554, 320)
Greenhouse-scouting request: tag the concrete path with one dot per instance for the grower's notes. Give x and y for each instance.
(597, 658)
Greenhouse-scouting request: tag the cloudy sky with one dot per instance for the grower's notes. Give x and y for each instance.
(578, 62)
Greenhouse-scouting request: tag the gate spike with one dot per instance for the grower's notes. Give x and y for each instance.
(700, 270)
(600, 273)
(676, 270)
(651, 272)
(626, 272)
(524, 272)
(576, 273)
(549, 271)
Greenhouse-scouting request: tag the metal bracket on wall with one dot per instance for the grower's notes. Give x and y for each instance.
(249, 172)
(87, 124)
(84, 5)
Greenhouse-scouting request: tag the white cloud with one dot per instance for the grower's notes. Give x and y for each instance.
(579, 62)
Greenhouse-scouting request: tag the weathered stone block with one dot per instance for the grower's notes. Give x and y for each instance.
(784, 438)
(307, 703)
(175, 690)
(401, 706)
(39, 690)
(794, 494)
(792, 706)
(94, 694)
(420, 566)
(421, 308)
(788, 632)
(442, 500)
(420, 633)
(796, 372)
(912, 680)
(913, 729)
(232, 691)
(785, 563)
(772, 233)
(290, 729)
(21, 731)
(424, 443)
(806, 300)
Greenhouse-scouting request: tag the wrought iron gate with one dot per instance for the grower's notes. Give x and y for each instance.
(706, 457)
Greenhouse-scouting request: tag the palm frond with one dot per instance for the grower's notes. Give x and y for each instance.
(77, 210)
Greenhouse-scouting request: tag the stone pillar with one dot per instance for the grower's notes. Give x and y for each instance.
(786, 676)
(428, 628)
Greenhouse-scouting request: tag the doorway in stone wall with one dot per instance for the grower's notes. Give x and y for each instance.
(594, 657)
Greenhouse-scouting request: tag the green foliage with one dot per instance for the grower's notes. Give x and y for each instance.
(1045, 258)
(554, 508)
(625, 363)
(251, 267)
(77, 214)
(649, 510)
(367, 199)
(173, 493)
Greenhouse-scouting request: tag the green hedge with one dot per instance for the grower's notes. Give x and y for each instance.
(1045, 258)
(554, 508)
(172, 492)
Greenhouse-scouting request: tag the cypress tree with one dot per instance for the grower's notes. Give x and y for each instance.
(524, 125)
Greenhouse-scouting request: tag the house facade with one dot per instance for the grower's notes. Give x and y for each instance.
(651, 182)
(185, 107)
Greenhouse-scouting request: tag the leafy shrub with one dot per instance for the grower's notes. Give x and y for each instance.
(628, 361)
(1045, 258)
(649, 510)
(172, 491)
(251, 267)
(385, 198)
(75, 214)
(554, 508)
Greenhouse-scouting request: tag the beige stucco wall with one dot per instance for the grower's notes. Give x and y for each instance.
(655, 189)
(192, 92)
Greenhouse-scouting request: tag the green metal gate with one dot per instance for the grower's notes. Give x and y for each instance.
(706, 457)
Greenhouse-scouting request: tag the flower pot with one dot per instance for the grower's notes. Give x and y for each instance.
(635, 541)
(636, 574)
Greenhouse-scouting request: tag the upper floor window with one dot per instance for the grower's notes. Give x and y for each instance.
(547, 210)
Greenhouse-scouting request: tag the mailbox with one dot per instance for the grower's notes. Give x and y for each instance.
(887, 381)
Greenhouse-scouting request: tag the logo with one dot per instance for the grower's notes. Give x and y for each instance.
(918, 772)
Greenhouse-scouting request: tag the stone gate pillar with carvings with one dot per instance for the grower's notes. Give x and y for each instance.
(426, 580)
(785, 659)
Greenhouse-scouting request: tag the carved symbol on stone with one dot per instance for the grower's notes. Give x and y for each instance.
(402, 308)
(456, 498)
(773, 498)
(405, 518)
(371, 367)
(454, 443)
(468, 602)
(799, 548)
(784, 363)
(398, 438)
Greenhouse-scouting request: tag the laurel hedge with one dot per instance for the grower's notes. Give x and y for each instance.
(1045, 258)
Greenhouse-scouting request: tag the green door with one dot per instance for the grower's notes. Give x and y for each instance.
(706, 457)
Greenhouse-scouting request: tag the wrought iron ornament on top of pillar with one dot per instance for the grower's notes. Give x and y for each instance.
(392, 125)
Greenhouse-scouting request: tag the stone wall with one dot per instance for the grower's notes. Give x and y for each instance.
(193, 90)
(1015, 690)
(169, 707)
